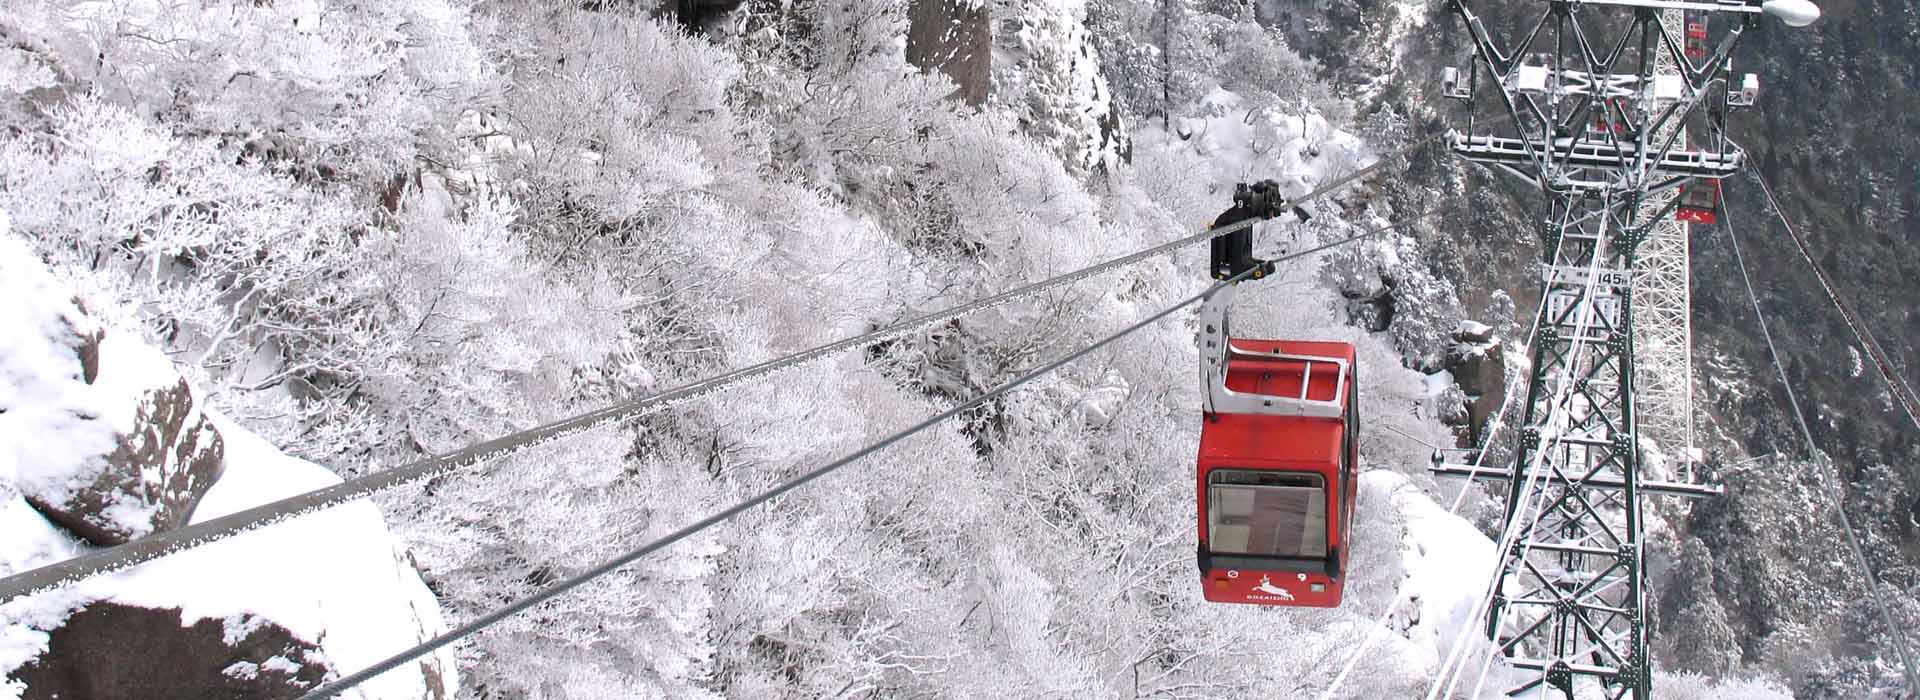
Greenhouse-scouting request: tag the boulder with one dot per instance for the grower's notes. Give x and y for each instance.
(956, 38)
(1479, 370)
(107, 438)
(99, 434)
(109, 651)
(1363, 282)
(1479, 367)
(264, 615)
(1473, 332)
(1373, 311)
(259, 616)
(155, 474)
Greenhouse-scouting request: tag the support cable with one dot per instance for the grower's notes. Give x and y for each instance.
(1453, 670)
(1452, 667)
(151, 547)
(1813, 452)
(1902, 393)
(335, 688)
(1493, 430)
(1494, 646)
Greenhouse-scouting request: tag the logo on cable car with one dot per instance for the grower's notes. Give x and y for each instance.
(1266, 586)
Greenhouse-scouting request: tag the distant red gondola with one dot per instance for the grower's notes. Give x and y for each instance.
(1696, 44)
(1699, 202)
(1277, 467)
(1608, 117)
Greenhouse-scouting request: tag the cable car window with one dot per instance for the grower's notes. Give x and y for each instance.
(1267, 514)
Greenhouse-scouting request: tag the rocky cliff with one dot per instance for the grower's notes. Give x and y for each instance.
(102, 442)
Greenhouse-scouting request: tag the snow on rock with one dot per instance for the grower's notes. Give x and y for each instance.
(88, 658)
(954, 37)
(103, 436)
(252, 616)
(1477, 361)
(1473, 332)
(1445, 401)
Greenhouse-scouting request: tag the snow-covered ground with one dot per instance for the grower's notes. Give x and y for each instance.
(1447, 562)
(336, 579)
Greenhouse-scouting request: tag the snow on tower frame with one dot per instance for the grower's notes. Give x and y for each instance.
(1570, 610)
(1277, 466)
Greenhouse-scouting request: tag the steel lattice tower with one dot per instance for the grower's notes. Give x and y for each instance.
(1598, 98)
(1663, 320)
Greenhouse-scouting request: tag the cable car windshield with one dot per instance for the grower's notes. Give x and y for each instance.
(1267, 514)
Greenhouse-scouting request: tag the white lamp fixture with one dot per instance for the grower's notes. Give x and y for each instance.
(1795, 13)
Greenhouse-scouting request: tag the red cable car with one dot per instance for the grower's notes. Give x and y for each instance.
(1277, 466)
(1699, 201)
(1607, 117)
(1696, 45)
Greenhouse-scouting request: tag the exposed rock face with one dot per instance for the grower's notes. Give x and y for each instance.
(86, 345)
(696, 14)
(264, 615)
(139, 453)
(109, 651)
(1478, 363)
(955, 38)
(1372, 310)
(173, 440)
(1473, 332)
(100, 437)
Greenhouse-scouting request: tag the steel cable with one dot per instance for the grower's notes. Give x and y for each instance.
(158, 545)
(1896, 384)
(1814, 453)
(335, 688)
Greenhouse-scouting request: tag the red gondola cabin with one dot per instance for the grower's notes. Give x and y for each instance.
(1277, 467)
(1609, 116)
(1696, 43)
(1699, 202)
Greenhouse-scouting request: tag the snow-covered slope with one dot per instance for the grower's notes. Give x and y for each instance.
(1447, 562)
(337, 581)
